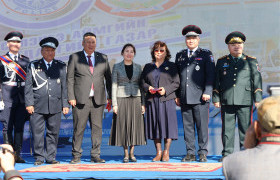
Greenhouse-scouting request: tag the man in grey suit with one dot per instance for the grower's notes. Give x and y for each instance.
(261, 158)
(87, 71)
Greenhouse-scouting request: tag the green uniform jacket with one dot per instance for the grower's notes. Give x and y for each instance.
(237, 83)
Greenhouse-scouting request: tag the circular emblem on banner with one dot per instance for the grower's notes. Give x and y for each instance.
(135, 8)
(41, 14)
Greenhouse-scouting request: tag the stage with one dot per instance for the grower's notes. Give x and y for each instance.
(114, 168)
(144, 168)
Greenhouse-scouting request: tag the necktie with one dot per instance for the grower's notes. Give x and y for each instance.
(235, 60)
(49, 65)
(90, 68)
(190, 54)
(15, 58)
(90, 64)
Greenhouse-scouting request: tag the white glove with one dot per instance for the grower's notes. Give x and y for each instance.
(2, 105)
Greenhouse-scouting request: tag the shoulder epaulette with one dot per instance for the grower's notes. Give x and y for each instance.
(34, 61)
(23, 56)
(181, 51)
(252, 57)
(61, 62)
(223, 57)
(205, 50)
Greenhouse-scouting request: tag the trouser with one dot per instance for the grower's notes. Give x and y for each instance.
(40, 122)
(196, 115)
(81, 114)
(229, 114)
(13, 120)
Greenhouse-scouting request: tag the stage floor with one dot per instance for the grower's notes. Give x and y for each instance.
(115, 169)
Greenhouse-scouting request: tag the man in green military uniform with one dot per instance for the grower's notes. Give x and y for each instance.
(237, 86)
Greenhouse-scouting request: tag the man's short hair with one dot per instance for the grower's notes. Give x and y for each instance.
(88, 34)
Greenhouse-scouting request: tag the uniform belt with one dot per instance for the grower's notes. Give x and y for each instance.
(13, 83)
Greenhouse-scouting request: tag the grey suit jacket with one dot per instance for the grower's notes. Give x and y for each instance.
(80, 79)
(261, 162)
(121, 85)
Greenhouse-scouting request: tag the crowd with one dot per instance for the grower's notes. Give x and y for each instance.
(144, 100)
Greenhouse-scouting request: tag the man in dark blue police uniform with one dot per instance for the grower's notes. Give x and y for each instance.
(237, 86)
(12, 81)
(197, 70)
(46, 97)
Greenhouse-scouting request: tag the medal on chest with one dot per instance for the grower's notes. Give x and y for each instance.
(38, 68)
(225, 66)
(225, 72)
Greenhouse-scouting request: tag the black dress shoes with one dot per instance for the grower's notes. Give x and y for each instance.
(38, 162)
(97, 160)
(221, 160)
(18, 159)
(188, 158)
(202, 158)
(53, 162)
(75, 160)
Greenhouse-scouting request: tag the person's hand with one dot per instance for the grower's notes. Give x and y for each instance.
(177, 101)
(151, 90)
(65, 110)
(251, 139)
(73, 103)
(30, 109)
(217, 104)
(161, 91)
(205, 97)
(115, 109)
(109, 105)
(7, 160)
(143, 109)
(257, 104)
(2, 105)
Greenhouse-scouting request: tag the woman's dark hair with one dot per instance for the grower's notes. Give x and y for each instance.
(156, 45)
(128, 45)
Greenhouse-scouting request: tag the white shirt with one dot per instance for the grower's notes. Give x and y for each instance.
(91, 93)
(192, 51)
(46, 63)
(13, 56)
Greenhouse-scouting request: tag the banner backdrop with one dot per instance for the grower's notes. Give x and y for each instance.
(142, 22)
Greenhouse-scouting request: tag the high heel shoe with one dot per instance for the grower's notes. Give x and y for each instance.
(165, 156)
(158, 156)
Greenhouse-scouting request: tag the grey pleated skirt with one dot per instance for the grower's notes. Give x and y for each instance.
(128, 125)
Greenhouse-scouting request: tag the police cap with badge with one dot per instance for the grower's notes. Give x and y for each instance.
(235, 37)
(46, 42)
(49, 42)
(14, 36)
(191, 30)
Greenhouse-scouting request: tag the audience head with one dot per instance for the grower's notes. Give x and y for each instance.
(268, 122)
(269, 114)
